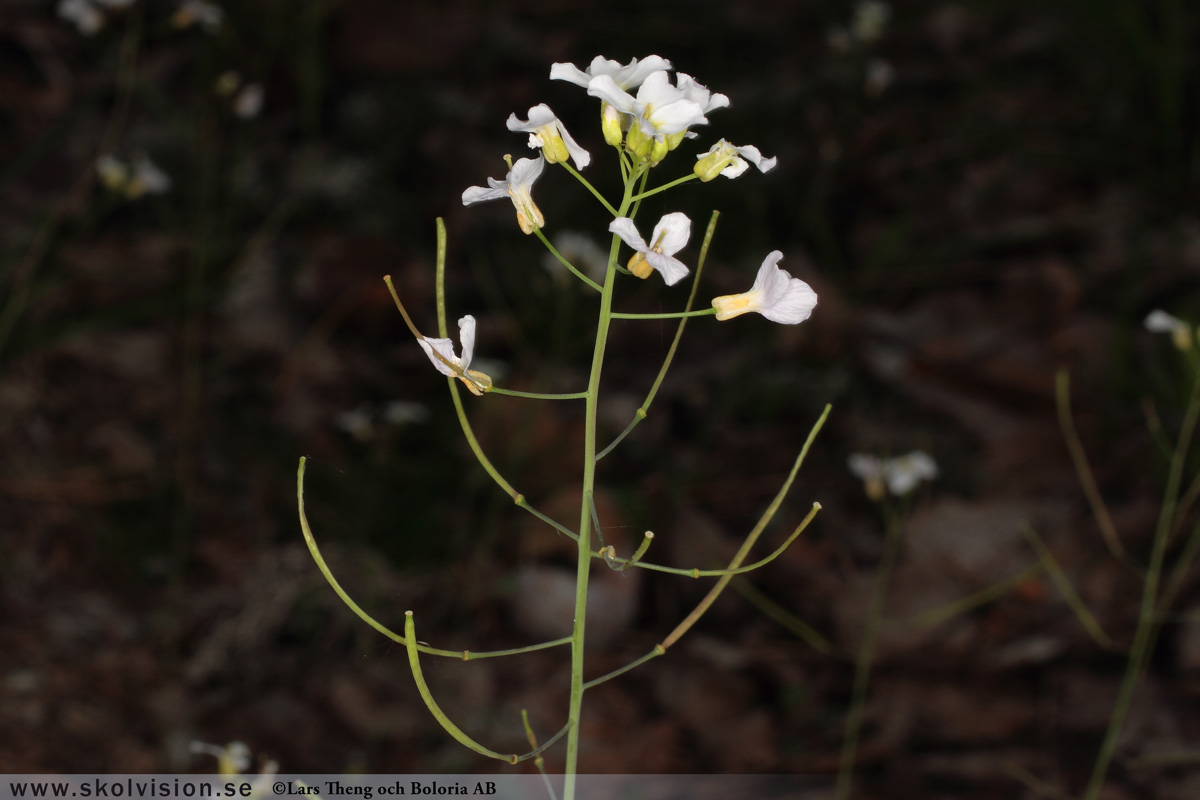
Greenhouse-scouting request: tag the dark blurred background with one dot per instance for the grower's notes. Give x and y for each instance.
(982, 193)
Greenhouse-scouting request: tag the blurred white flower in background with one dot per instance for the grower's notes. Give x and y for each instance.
(898, 475)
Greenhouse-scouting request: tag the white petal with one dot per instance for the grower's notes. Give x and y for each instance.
(525, 172)
(699, 94)
(478, 194)
(604, 87)
(1159, 321)
(580, 156)
(445, 348)
(657, 90)
(865, 466)
(672, 269)
(635, 73)
(671, 233)
(735, 168)
(539, 115)
(627, 231)
(766, 276)
(752, 154)
(570, 73)
(675, 116)
(466, 335)
(794, 306)
(786, 300)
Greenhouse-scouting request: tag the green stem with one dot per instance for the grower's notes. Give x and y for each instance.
(583, 561)
(866, 654)
(704, 312)
(537, 395)
(414, 662)
(562, 260)
(595, 193)
(662, 372)
(643, 195)
(315, 552)
(1148, 613)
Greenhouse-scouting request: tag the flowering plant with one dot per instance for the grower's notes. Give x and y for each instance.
(643, 129)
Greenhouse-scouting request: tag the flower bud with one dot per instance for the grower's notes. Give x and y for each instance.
(638, 143)
(674, 139)
(710, 166)
(610, 124)
(658, 151)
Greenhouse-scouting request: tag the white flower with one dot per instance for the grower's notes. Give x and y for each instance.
(547, 132)
(1159, 321)
(516, 185)
(146, 178)
(670, 235)
(208, 16)
(775, 294)
(629, 76)
(699, 94)
(659, 109)
(248, 102)
(726, 159)
(86, 18)
(441, 353)
(133, 180)
(901, 474)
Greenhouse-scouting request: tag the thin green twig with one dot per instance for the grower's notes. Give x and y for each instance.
(1083, 470)
(414, 662)
(1063, 584)
(866, 655)
(644, 409)
(464, 655)
(562, 260)
(1148, 614)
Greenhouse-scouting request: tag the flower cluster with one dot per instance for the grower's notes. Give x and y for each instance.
(1159, 321)
(134, 179)
(645, 114)
(88, 16)
(899, 475)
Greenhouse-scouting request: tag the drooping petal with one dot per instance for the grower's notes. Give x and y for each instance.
(466, 335)
(755, 157)
(477, 382)
(699, 94)
(627, 231)
(517, 186)
(672, 269)
(444, 348)
(548, 133)
(479, 194)
(605, 88)
(526, 171)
